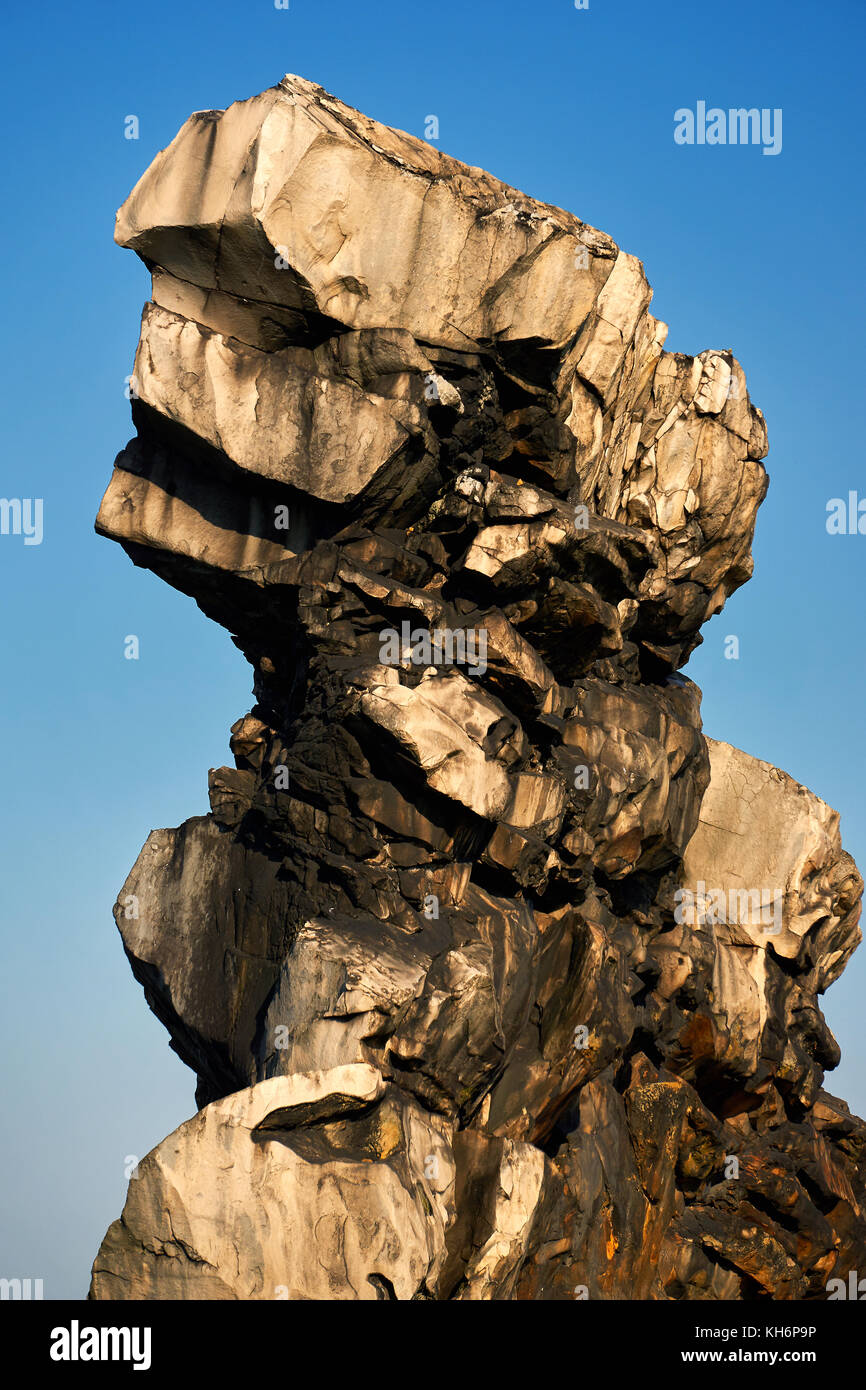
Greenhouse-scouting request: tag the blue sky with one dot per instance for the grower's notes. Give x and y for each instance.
(758, 254)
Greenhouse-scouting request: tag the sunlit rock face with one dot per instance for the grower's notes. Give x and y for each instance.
(498, 978)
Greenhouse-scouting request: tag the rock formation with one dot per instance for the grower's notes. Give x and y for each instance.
(500, 980)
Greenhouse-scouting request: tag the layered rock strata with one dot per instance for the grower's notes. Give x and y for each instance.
(498, 978)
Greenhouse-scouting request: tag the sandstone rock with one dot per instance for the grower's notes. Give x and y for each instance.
(776, 902)
(267, 411)
(364, 1172)
(319, 1155)
(448, 955)
(288, 205)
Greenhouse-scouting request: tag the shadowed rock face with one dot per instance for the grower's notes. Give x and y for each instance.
(499, 980)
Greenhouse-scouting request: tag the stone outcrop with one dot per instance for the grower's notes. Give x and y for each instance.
(498, 978)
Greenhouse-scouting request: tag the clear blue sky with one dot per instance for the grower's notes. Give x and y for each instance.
(758, 254)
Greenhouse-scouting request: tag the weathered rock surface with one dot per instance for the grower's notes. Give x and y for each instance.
(499, 979)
